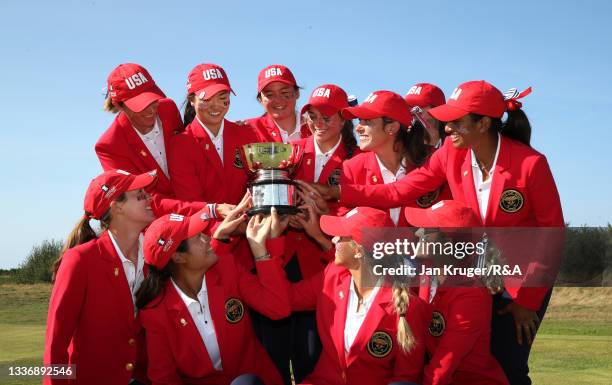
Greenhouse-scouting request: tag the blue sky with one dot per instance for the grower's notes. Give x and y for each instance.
(56, 57)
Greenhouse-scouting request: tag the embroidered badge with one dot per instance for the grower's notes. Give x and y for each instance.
(428, 199)
(234, 310)
(511, 201)
(237, 160)
(334, 178)
(437, 325)
(380, 344)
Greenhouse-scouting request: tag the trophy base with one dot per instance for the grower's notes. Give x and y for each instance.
(281, 210)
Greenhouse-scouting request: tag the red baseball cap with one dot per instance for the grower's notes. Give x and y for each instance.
(446, 213)
(166, 233)
(275, 73)
(379, 104)
(328, 98)
(424, 95)
(354, 222)
(133, 85)
(107, 187)
(477, 97)
(206, 80)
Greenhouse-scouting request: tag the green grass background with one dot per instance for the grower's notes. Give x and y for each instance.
(573, 346)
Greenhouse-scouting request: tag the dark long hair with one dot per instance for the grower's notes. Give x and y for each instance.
(348, 138)
(155, 282)
(412, 141)
(82, 233)
(515, 127)
(189, 113)
(427, 138)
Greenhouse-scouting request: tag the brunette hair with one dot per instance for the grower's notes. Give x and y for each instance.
(516, 126)
(412, 141)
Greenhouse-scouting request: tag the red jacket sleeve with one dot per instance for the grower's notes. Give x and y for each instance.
(304, 294)
(64, 309)
(468, 316)
(420, 181)
(184, 158)
(266, 291)
(162, 369)
(111, 159)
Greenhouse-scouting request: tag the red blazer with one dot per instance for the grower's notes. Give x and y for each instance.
(374, 357)
(91, 321)
(521, 174)
(176, 350)
(120, 147)
(364, 170)
(196, 169)
(311, 258)
(267, 131)
(459, 339)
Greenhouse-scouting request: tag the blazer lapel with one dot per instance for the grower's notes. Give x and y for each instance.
(378, 310)
(210, 152)
(309, 160)
(340, 300)
(469, 191)
(335, 162)
(137, 145)
(187, 331)
(500, 176)
(216, 304)
(113, 269)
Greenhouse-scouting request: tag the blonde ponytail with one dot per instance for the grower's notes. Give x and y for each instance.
(401, 299)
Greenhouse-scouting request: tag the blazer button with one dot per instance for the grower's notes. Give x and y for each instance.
(129, 366)
(132, 342)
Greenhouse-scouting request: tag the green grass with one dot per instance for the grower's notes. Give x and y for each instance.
(572, 346)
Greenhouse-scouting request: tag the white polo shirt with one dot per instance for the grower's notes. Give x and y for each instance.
(354, 319)
(200, 314)
(154, 141)
(133, 274)
(483, 188)
(322, 158)
(217, 140)
(389, 177)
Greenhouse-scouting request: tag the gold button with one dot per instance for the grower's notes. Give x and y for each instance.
(129, 366)
(132, 342)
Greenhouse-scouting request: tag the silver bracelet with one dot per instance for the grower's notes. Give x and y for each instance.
(264, 257)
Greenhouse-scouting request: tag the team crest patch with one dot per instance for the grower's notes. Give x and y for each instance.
(380, 344)
(511, 201)
(237, 160)
(437, 325)
(234, 310)
(428, 199)
(334, 178)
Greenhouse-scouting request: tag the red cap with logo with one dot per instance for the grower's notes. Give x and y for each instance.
(206, 80)
(424, 95)
(275, 73)
(446, 213)
(107, 187)
(475, 97)
(166, 233)
(379, 104)
(353, 223)
(328, 98)
(133, 85)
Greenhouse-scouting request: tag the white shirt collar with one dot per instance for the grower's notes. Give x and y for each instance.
(155, 131)
(187, 299)
(120, 253)
(210, 134)
(318, 151)
(400, 171)
(475, 162)
(295, 135)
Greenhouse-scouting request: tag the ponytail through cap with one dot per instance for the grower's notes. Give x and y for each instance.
(511, 97)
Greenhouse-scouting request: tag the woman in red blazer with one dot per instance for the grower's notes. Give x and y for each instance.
(278, 92)
(392, 147)
(372, 333)
(137, 140)
(459, 335)
(490, 166)
(91, 321)
(194, 301)
(332, 142)
(204, 161)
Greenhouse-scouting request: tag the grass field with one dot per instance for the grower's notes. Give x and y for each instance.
(574, 345)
